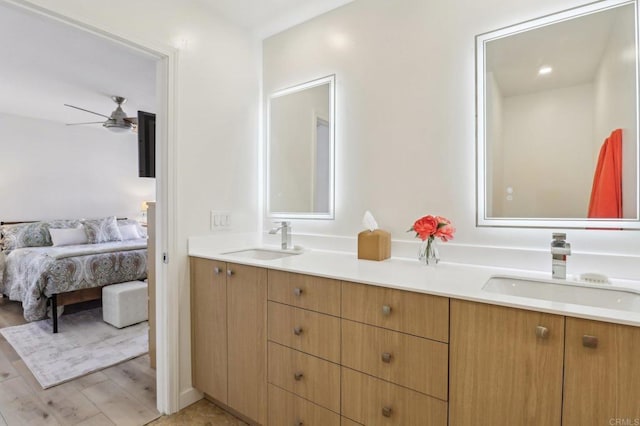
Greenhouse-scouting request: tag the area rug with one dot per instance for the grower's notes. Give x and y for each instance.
(83, 344)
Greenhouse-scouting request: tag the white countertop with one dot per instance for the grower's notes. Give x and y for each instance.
(453, 280)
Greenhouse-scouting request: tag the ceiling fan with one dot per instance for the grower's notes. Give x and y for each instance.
(116, 122)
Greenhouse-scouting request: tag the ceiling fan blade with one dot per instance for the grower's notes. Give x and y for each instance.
(91, 122)
(132, 120)
(86, 110)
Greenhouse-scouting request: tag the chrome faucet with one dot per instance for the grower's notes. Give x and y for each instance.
(560, 249)
(286, 234)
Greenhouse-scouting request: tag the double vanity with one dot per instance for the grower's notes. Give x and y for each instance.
(322, 338)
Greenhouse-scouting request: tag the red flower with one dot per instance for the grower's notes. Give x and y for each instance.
(433, 226)
(425, 227)
(445, 232)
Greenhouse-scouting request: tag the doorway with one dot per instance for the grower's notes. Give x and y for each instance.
(166, 313)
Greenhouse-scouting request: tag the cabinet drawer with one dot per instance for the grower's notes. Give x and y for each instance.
(413, 313)
(410, 361)
(310, 332)
(307, 376)
(287, 409)
(305, 291)
(348, 422)
(372, 401)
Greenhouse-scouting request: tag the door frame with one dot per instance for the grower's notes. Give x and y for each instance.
(167, 311)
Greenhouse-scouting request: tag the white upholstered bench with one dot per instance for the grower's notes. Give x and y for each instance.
(125, 303)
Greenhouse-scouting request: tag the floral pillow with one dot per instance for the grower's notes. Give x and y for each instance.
(34, 234)
(20, 235)
(102, 230)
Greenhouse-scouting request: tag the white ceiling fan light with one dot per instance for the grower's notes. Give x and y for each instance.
(116, 122)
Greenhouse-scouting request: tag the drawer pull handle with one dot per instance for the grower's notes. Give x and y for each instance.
(542, 332)
(299, 423)
(298, 375)
(297, 291)
(589, 341)
(386, 411)
(386, 310)
(229, 272)
(216, 270)
(297, 331)
(386, 357)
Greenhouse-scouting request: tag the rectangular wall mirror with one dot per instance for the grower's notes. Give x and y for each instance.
(557, 120)
(300, 151)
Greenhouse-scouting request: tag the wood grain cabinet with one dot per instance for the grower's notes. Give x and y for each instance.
(228, 315)
(511, 366)
(601, 374)
(505, 366)
(304, 350)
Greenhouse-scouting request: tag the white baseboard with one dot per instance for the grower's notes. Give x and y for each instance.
(189, 396)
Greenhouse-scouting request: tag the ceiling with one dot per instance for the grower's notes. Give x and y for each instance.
(573, 48)
(48, 64)
(267, 17)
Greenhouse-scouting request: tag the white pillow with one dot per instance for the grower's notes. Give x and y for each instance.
(68, 236)
(129, 232)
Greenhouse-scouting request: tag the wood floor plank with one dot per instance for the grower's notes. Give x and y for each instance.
(6, 369)
(91, 379)
(19, 405)
(118, 405)
(99, 420)
(65, 401)
(131, 377)
(7, 350)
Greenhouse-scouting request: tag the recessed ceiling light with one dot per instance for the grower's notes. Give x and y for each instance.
(545, 70)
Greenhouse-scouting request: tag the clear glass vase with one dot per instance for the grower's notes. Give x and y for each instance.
(428, 252)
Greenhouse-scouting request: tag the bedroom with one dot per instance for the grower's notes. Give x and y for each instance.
(52, 171)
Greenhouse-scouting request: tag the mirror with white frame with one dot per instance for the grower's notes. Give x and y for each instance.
(300, 151)
(557, 120)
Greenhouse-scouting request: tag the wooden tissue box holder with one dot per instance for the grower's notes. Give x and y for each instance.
(374, 245)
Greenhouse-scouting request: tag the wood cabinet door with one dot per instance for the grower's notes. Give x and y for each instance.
(504, 369)
(247, 340)
(209, 327)
(601, 374)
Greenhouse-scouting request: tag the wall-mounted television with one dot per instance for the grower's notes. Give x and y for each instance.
(146, 144)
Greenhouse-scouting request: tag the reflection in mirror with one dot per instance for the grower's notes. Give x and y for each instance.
(300, 146)
(557, 120)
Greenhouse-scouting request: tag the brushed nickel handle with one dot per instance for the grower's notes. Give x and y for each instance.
(298, 375)
(297, 291)
(542, 332)
(386, 357)
(216, 270)
(386, 310)
(229, 272)
(297, 331)
(589, 341)
(386, 411)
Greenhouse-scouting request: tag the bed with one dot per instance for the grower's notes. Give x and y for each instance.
(50, 263)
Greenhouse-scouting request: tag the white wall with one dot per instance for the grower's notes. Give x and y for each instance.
(616, 104)
(51, 171)
(217, 90)
(405, 135)
(544, 185)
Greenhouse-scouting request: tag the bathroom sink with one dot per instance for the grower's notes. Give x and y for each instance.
(262, 254)
(567, 292)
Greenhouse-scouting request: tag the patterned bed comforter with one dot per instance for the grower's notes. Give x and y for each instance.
(32, 274)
